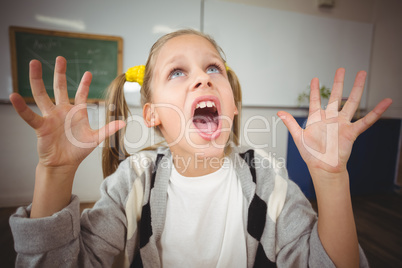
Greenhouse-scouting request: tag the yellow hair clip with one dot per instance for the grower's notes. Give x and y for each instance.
(227, 67)
(136, 74)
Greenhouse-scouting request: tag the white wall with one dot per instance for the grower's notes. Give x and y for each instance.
(277, 53)
(385, 74)
(386, 59)
(135, 21)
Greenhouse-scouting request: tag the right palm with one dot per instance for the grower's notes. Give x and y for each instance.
(65, 137)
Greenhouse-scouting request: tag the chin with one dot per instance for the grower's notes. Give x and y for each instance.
(209, 149)
(210, 153)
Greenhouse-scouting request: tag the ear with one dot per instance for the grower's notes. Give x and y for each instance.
(151, 118)
(236, 112)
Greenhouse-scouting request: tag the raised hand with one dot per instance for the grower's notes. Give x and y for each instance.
(327, 140)
(325, 145)
(65, 137)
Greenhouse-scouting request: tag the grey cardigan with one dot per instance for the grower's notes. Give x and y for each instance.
(125, 225)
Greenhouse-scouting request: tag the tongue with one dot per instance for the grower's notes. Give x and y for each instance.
(206, 124)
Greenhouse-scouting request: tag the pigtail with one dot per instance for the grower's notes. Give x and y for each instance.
(116, 107)
(235, 84)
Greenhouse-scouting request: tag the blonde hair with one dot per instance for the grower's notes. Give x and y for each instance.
(116, 107)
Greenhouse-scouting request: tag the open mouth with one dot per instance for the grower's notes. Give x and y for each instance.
(206, 117)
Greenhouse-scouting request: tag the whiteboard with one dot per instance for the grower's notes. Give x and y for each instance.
(276, 53)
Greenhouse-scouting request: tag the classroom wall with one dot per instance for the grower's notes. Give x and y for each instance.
(18, 143)
(385, 74)
(139, 23)
(386, 59)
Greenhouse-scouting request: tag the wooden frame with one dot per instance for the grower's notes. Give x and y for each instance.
(100, 54)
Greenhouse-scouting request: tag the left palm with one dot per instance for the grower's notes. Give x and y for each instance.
(326, 142)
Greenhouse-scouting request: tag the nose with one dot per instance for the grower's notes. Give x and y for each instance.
(202, 80)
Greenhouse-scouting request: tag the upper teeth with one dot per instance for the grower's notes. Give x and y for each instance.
(204, 104)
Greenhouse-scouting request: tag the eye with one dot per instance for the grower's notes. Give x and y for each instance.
(214, 69)
(176, 73)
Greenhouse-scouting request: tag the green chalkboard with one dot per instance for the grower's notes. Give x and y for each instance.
(101, 55)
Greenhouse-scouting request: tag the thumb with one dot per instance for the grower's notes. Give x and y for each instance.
(110, 129)
(34, 120)
(291, 124)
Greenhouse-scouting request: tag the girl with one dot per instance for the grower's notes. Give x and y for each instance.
(202, 201)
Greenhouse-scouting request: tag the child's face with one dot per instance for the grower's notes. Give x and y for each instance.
(193, 99)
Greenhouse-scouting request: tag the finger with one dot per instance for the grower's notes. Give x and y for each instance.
(34, 120)
(291, 124)
(38, 87)
(60, 81)
(314, 114)
(110, 129)
(335, 99)
(364, 123)
(315, 98)
(83, 89)
(355, 96)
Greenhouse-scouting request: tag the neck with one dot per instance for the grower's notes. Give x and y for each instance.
(196, 165)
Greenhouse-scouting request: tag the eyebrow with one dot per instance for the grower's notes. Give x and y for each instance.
(173, 60)
(179, 57)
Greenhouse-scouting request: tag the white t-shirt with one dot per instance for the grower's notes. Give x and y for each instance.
(205, 226)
